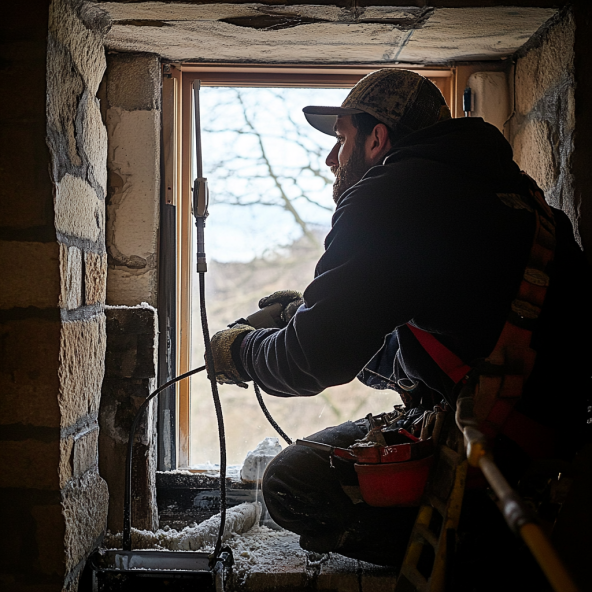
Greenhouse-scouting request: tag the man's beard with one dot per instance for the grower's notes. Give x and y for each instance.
(351, 172)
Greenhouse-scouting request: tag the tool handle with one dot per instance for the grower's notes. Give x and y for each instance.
(339, 452)
(268, 317)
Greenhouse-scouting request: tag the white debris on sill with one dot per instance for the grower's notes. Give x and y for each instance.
(135, 306)
(264, 550)
(239, 519)
(258, 459)
(254, 547)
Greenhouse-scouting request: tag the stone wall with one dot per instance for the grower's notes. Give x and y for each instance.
(132, 95)
(130, 375)
(53, 180)
(133, 92)
(543, 123)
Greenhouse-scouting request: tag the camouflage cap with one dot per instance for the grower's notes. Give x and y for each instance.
(404, 101)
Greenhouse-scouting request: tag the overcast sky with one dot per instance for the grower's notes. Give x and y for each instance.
(232, 164)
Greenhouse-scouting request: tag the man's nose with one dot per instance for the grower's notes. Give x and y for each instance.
(332, 159)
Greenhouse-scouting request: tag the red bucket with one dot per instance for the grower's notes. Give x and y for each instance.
(394, 484)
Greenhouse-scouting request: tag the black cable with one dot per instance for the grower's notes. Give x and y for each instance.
(276, 427)
(127, 502)
(219, 417)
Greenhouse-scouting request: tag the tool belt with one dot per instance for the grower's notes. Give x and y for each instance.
(496, 383)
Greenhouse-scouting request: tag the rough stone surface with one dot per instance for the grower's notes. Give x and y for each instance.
(94, 140)
(71, 274)
(131, 286)
(133, 205)
(84, 506)
(82, 365)
(480, 33)
(129, 377)
(546, 67)
(533, 151)
(182, 32)
(78, 210)
(132, 229)
(29, 350)
(542, 127)
(85, 453)
(65, 86)
(84, 45)
(36, 467)
(50, 530)
(95, 278)
(131, 342)
(134, 82)
(30, 275)
(65, 468)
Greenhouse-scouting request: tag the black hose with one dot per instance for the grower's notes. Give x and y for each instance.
(268, 415)
(219, 417)
(127, 502)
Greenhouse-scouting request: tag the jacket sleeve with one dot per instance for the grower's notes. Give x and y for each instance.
(380, 257)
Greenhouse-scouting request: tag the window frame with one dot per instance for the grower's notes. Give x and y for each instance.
(177, 183)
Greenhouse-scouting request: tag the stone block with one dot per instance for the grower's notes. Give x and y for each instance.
(134, 81)
(95, 278)
(131, 342)
(134, 192)
(36, 467)
(64, 89)
(84, 505)
(50, 531)
(546, 66)
(84, 44)
(85, 453)
(78, 210)
(71, 277)
(30, 274)
(131, 286)
(26, 192)
(93, 139)
(65, 467)
(81, 368)
(29, 349)
(533, 151)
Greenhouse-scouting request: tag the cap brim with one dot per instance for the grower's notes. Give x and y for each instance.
(324, 118)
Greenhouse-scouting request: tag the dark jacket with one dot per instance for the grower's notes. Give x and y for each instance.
(425, 238)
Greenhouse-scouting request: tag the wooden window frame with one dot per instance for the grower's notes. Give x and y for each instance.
(177, 116)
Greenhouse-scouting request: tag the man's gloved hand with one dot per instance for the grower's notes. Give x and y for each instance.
(290, 300)
(226, 354)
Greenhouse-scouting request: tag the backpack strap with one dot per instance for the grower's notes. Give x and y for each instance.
(498, 381)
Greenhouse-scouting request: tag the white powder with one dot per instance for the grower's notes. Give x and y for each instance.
(265, 551)
(239, 519)
(258, 459)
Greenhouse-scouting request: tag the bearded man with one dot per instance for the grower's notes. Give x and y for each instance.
(428, 233)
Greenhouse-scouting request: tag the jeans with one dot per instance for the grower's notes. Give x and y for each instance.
(305, 495)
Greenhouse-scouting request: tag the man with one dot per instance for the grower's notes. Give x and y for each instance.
(427, 232)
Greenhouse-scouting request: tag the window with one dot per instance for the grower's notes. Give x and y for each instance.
(253, 246)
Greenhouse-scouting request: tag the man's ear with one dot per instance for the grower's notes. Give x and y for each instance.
(378, 143)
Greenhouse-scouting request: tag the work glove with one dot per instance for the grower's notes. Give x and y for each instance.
(290, 301)
(226, 353)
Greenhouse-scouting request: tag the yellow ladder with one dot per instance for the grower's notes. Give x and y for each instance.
(434, 534)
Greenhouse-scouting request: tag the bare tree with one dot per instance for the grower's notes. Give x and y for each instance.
(281, 167)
